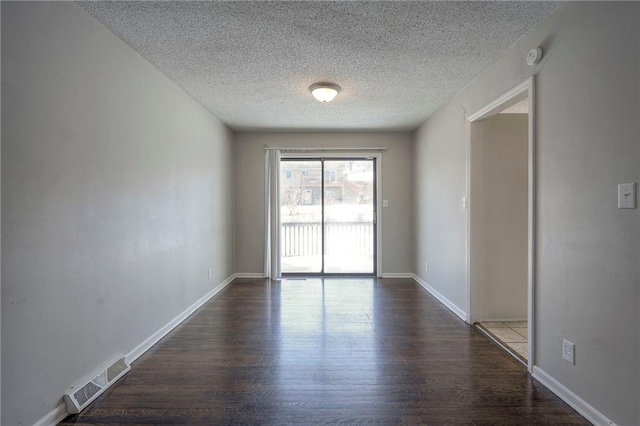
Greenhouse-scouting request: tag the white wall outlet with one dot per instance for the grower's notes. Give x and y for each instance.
(627, 195)
(464, 203)
(210, 273)
(426, 266)
(385, 203)
(569, 351)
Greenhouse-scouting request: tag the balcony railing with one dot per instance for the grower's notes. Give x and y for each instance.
(305, 238)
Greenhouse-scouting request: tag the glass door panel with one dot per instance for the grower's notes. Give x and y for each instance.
(349, 211)
(301, 216)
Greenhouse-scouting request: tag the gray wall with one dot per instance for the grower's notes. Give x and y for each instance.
(499, 217)
(0, 229)
(587, 250)
(116, 197)
(439, 169)
(397, 242)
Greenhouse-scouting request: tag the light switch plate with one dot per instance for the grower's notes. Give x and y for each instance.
(385, 203)
(627, 195)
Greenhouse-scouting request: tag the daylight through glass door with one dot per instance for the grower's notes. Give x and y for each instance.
(327, 215)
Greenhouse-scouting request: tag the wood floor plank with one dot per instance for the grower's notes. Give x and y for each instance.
(355, 351)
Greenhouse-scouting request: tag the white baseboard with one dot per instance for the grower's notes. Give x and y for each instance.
(58, 414)
(573, 400)
(54, 417)
(446, 302)
(155, 337)
(250, 275)
(397, 275)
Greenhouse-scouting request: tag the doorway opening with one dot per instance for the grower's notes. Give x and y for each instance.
(501, 221)
(328, 216)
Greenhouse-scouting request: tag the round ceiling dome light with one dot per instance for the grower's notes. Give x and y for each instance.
(324, 92)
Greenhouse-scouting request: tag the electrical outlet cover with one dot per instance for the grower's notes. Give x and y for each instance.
(568, 351)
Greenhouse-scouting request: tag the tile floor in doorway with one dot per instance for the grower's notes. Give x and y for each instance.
(512, 333)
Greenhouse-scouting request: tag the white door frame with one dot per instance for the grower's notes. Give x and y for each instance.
(522, 90)
(355, 153)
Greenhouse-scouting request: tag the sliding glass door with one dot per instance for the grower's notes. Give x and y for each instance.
(301, 239)
(327, 216)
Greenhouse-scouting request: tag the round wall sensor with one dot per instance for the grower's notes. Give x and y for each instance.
(534, 56)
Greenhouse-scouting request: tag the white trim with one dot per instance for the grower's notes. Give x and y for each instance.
(531, 264)
(503, 101)
(54, 416)
(446, 302)
(323, 149)
(358, 153)
(257, 275)
(397, 275)
(59, 413)
(516, 94)
(155, 337)
(573, 400)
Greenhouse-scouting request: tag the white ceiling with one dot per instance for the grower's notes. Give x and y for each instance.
(251, 62)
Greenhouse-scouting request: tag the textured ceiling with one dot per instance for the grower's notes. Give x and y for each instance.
(251, 62)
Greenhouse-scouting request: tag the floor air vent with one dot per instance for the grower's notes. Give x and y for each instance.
(85, 392)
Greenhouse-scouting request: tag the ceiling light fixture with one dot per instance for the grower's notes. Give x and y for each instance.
(324, 92)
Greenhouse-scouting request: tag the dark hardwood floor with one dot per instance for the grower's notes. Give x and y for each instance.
(326, 351)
